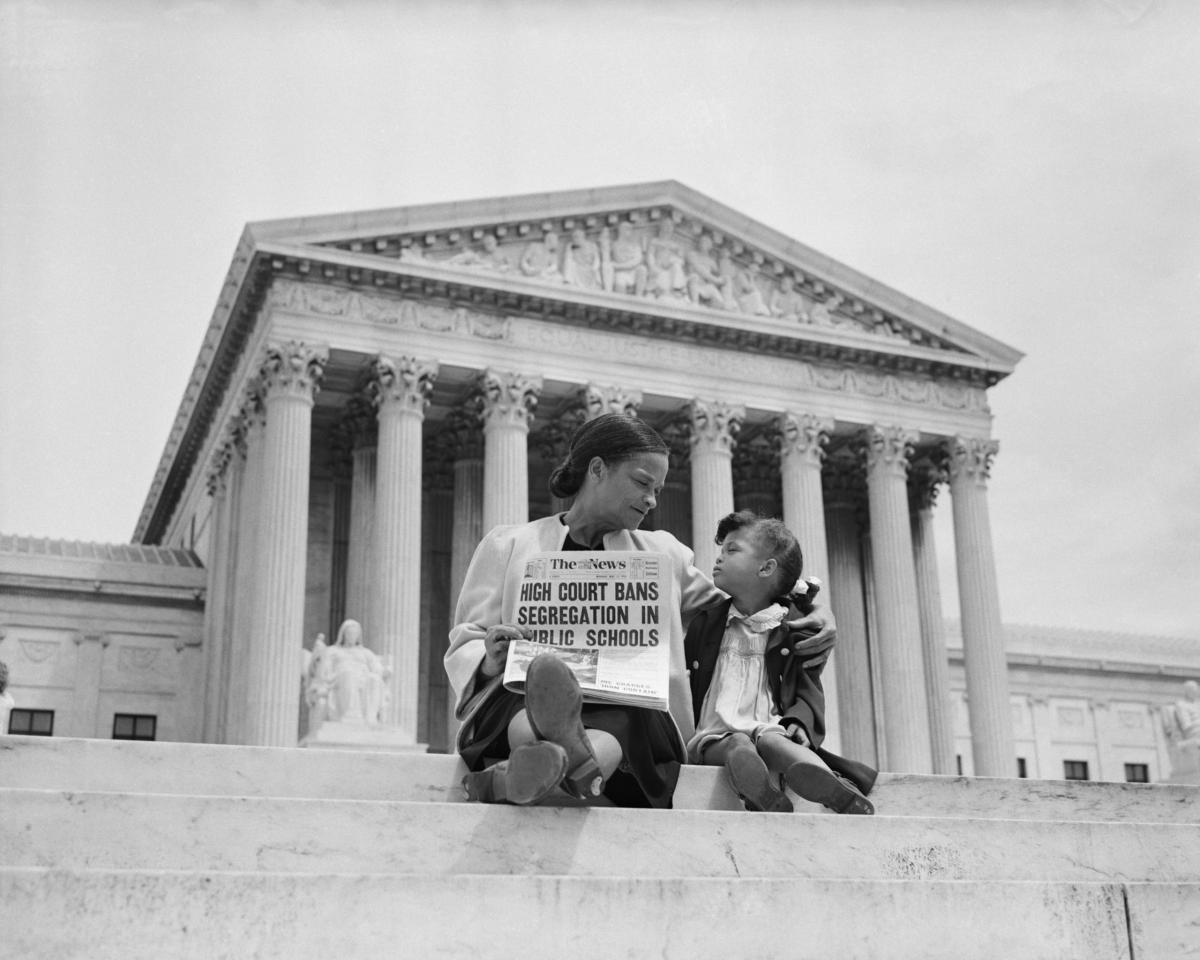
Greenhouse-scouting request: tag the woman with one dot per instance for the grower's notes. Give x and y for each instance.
(615, 469)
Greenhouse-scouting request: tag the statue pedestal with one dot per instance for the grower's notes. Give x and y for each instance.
(1185, 762)
(347, 735)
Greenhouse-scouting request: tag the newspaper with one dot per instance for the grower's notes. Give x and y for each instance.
(605, 614)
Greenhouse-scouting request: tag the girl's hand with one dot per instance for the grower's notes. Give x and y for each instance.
(495, 643)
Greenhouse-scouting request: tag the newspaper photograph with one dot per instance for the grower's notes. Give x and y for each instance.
(604, 614)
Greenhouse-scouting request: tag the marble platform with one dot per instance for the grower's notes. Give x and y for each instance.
(119, 849)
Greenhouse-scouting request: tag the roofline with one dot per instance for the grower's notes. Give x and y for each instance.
(330, 228)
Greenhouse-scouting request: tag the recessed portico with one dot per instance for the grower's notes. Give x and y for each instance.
(434, 378)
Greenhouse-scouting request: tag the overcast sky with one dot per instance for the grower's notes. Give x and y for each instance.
(1032, 169)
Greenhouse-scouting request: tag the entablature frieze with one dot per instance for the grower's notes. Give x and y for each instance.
(836, 372)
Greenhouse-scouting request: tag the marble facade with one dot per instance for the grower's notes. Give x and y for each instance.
(377, 389)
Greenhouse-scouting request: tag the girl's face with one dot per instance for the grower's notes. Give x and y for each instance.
(739, 568)
(625, 491)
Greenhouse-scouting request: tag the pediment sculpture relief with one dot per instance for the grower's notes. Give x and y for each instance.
(660, 260)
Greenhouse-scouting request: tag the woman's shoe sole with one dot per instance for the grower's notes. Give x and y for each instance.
(554, 704)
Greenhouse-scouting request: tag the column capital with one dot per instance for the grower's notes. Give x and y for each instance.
(598, 399)
(843, 482)
(402, 384)
(887, 449)
(508, 398)
(714, 425)
(218, 471)
(969, 459)
(804, 435)
(756, 463)
(355, 429)
(292, 369)
(462, 430)
(926, 474)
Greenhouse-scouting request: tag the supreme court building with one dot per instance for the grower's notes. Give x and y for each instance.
(378, 389)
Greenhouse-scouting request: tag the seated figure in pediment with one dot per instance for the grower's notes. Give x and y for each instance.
(581, 261)
(623, 261)
(822, 313)
(541, 258)
(487, 258)
(788, 303)
(705, 284)
(665, 276)
(747, 294)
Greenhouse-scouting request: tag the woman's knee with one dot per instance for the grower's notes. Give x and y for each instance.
(520, 730)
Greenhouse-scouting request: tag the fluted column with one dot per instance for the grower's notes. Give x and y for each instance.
(508, 403)
(901, 661)
(290, 375)
(250, 431)
(843, 494)
(923, 487)
(467, 529)
(361, 424)
(401, 391)
(801, 452)
(714, 424)
(969, 461)
(217, 565)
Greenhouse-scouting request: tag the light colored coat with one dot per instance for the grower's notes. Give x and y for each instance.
(489, 596)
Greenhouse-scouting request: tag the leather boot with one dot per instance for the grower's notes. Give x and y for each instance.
(529, 775)
(754, 783)
(554, 705)
(819, 785)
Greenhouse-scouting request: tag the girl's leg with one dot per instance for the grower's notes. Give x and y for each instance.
(809, 775)
(751, 779)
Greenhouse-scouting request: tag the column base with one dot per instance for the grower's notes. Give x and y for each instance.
(342, 735)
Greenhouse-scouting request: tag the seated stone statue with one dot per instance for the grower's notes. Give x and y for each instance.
(489, 258)
(1181, 723)
(541, 257)
(6, 699)
(347, 681)
(623, 261)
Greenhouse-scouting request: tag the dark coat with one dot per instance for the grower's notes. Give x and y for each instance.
(793, 677)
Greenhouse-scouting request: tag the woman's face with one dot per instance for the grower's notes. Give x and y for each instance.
(625, 491)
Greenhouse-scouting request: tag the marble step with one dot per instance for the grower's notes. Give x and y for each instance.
(198, 916)
(61, 763)
(85, 830)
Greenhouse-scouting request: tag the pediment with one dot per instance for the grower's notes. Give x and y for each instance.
(662, 246)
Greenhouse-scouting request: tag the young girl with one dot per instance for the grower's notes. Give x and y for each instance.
(758, 701)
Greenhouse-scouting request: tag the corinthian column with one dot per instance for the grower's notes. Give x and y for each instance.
(249, 429)
(969, 460)
(714, 424)
(217, 563)
(901, 661)
(360, 423)
(844, 495)
(401, 391)
(508, 403)
(802, 449)
(466, 452)
(290, 376)
(923, 487)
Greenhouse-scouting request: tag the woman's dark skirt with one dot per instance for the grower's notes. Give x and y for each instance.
(652, 756)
